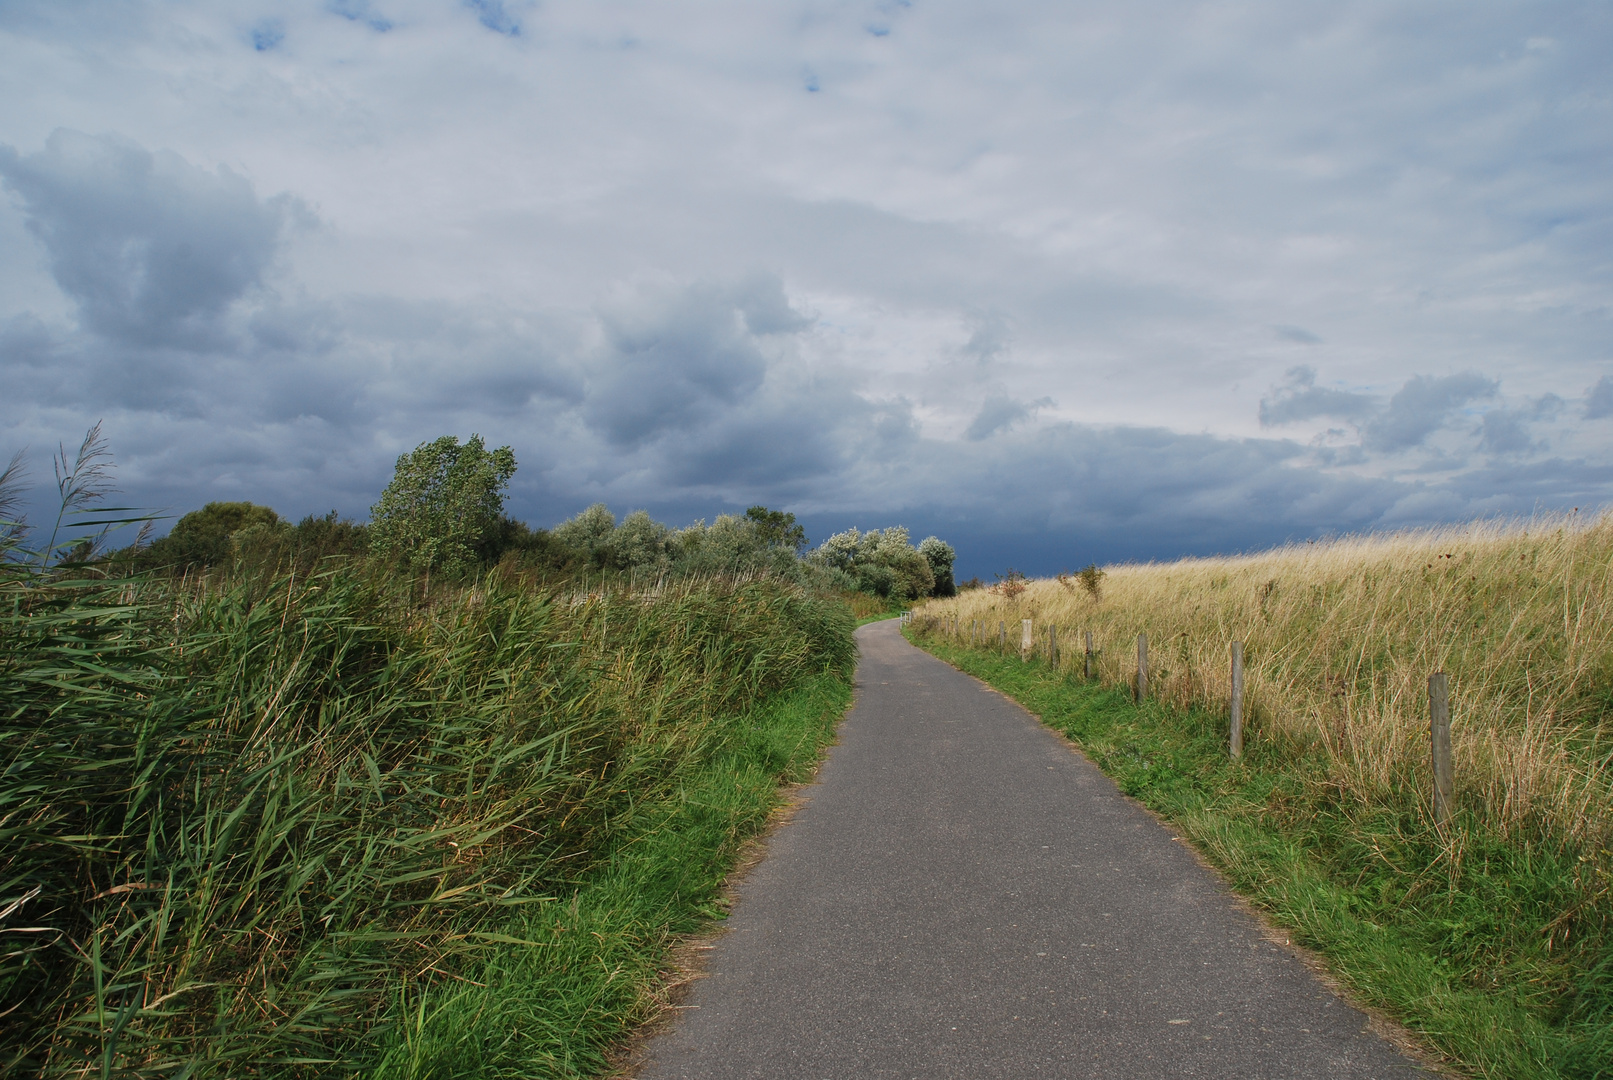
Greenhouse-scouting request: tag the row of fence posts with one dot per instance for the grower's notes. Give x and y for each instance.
(1439, 706)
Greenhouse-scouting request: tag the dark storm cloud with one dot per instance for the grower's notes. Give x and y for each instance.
(152, 249)
(1503, 432)
(1507, 430)
(1421, 407)
(989, 340)
(1297, 334)
(1599, 399)
(1059, 495)
(770, 449)
(27, 348)
(676, 359)
(458, 357)
(999, 413)
(1511, 486)
(761, 300)
(1301, 399)
(1342, 174)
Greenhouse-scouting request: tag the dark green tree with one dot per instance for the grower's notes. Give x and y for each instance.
(777, 529)
(940, 555)
(442, 501)
(202, 537)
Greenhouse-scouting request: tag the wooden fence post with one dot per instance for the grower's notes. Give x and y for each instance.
(1142, 666)
(1053, 646)
(1086, 670)
(1439, 716)
(1237, 699)
(1002, 635)
(1025, 641)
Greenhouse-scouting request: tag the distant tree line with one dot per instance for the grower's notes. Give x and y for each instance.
(443, 514)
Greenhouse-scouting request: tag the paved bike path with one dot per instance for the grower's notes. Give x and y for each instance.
(964, 896)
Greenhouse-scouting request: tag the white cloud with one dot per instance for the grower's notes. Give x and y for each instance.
(631, 241)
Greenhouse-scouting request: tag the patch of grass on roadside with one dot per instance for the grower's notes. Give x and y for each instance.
(867, 607)
(577, 974)
(1469, 951)
(881, 617)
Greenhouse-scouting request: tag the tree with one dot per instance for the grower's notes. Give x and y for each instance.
(589, 535)
(641, 543)
(884, 562)
(442, 499)
(940, 555)
(777, 529)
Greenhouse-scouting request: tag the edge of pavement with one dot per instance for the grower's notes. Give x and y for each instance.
(1402, 1038)
(685, 962)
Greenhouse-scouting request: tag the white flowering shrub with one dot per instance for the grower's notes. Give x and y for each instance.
(883, 562)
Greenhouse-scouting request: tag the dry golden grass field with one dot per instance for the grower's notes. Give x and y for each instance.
(1340, 637)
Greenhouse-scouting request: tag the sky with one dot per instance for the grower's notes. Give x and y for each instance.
(1060, 282)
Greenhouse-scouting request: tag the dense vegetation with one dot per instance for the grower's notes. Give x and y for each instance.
(443, 515)
(1492, 934)
(276, 799)
(244, 822)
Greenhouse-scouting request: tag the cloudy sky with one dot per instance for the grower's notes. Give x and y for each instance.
(1057, 281)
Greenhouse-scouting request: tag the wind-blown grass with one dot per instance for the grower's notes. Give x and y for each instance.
(1513, 899)
(248, 826)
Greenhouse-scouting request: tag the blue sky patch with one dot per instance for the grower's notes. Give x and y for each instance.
(268, 34)
(361, 11)
(495, 16)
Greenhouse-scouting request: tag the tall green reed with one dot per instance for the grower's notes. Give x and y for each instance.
(239, 813)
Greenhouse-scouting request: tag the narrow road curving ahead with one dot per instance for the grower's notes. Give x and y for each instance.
(965, 896)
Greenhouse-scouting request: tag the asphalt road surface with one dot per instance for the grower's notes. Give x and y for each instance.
(965, 896)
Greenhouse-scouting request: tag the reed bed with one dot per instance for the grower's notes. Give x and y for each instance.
(1340, 637)
(246, 823)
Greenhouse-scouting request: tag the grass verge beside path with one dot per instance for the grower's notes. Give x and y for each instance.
(578, 974)
(1461, 956)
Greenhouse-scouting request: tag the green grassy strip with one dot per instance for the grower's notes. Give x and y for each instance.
(881, 616)
(578, 974)
(1458, 956)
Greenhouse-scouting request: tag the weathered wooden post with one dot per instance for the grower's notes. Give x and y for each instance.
(1439, 717)
(1053, 646)
(1025, 642)
(1142, 666)
(1086, 670)
(1237, 699)
(1002, 635)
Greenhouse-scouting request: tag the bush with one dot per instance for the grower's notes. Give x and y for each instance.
(202, 537)
(885, 563)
